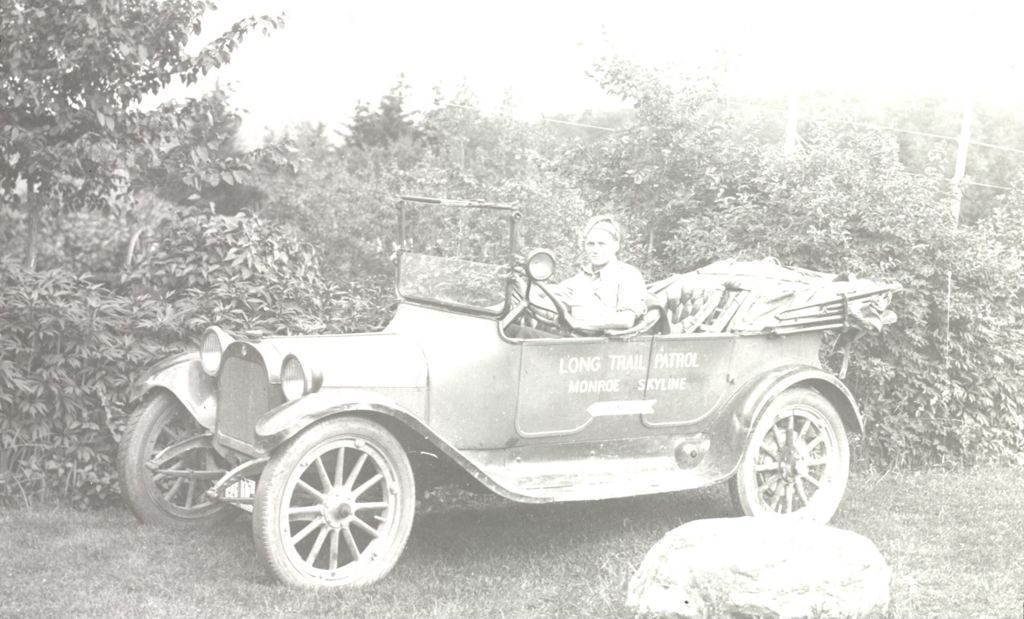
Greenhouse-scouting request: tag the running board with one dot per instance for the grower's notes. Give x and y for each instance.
(592, 477)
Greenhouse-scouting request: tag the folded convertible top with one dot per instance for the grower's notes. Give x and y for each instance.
(764, 296)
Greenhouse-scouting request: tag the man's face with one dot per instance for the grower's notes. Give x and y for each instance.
(600, 247)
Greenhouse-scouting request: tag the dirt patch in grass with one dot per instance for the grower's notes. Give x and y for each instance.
(954, 541)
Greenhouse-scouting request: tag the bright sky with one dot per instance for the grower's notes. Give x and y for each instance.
(333, 53)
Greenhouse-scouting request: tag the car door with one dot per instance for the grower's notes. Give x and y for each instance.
(689, 377)
(567, 383)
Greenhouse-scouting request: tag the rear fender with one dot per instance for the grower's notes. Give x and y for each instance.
(281, 424)
(750, 401)
(184, 378)
(762, 390)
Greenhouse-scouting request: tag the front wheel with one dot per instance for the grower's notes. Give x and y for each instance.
(335, 506)
(166, 462)
(797, 460)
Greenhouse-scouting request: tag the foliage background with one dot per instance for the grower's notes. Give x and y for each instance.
(298, 236)
(941, 387)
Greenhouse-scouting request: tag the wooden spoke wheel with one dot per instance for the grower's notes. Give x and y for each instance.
(166, 463)
(797, 460)
(335, 506)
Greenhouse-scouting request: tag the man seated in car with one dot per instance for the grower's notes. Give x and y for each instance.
(606, 294)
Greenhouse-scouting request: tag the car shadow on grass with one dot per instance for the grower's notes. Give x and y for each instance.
(562, 559)
(467, 528)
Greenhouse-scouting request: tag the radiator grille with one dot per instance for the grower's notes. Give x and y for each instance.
(243, 396)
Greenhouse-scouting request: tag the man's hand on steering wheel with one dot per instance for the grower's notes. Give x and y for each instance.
(563, 316)
(550, 312)
(525, 310)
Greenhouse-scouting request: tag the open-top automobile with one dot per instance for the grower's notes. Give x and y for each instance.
(482, 375)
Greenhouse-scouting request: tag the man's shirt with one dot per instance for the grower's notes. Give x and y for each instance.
(615, 286)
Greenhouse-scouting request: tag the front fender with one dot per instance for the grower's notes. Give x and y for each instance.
(280, 424)
(183, 376)
(284, 422)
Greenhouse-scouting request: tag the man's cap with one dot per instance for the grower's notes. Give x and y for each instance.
(605, 223)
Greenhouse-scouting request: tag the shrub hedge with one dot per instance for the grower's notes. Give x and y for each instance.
(70, 349)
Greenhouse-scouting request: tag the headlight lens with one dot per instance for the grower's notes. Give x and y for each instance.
(294, 381)
(540, 265)
(211, 349)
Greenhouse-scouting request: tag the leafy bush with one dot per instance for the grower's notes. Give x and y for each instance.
(943, 384)
(70, 349)
(236, 272)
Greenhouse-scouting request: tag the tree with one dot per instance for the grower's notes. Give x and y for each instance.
(385, 126)
(342, 196)
(677, 155)
(71, 77)
(204, 163)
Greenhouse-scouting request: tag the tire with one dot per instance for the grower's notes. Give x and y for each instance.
(797, 461)
(349, 481)
(163, 497)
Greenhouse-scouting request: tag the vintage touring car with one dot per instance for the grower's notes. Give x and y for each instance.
(481, 373)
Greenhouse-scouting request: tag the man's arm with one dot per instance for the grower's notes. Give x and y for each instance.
(597, 318)
(587, 316)
(632, 292)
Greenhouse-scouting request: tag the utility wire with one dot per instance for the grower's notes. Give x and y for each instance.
(899, 130)
(853, 123)
(884, 128)
(987, 185)
(573, 124)
(922, 175)
(999, 147)
(544, 119)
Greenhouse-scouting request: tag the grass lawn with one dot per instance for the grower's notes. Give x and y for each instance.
(955, 542)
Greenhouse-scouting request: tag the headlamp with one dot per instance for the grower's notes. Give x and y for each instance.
(540, 265)
(211, 349)
(297, 379)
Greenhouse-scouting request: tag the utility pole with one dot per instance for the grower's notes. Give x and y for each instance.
(961, 158)
(958, 192)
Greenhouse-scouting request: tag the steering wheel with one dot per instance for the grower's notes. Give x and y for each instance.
(525, 310)
(530, 313)
(562, 318)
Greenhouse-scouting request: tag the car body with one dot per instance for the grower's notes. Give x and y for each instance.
(326, 439)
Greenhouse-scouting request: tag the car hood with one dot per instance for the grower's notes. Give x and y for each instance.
(358, 360)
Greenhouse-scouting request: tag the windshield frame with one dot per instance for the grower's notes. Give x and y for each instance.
(505, 210)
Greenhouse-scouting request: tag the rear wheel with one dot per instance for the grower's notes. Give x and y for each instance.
(334, 507)
(797, 460)
(166, 463)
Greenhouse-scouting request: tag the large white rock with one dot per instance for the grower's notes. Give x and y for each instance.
(760, 567)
